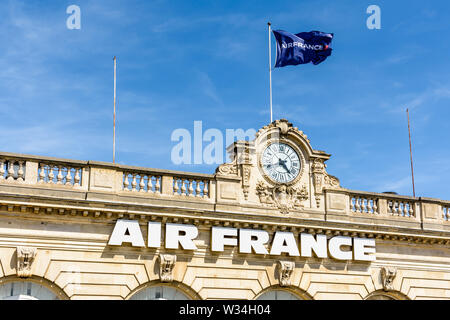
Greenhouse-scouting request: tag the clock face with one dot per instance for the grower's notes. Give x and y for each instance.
(280, 162)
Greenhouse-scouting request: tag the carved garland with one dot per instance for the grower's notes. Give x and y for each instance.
(283, 197)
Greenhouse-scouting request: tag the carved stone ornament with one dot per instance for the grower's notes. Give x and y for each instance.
(283, 197)
(285, 269)
(227, 169)
(387, 277)
(322, 179)
(25, 258)
(166, 265)
(284, 126)
(246, 170)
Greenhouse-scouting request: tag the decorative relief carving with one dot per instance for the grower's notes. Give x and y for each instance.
(246, 170)
(331, 181)
(283, 197)
(322, 179)
(25, 258)
(227, 169)
(166, 265)
(387, 277)
(284, 126)
(285, 269)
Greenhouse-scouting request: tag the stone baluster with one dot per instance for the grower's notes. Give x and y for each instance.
(10, 171)
(411, 210)
(183, 187)
(20, 172)
(69, 177)
(175, 185)
(42, 173)
(142, 182)
(396, 208)
(126, 183)
(59, 177)
(352, 204)
(2, 169)
(76, 179)
(51, 175)
(133, 183)
(157, 184)
(197, 188)
(150, 184)
(191, 189)
(206, 189)
(357, 204)
(375, 206)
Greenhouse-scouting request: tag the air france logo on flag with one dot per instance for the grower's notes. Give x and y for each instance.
(301, 48)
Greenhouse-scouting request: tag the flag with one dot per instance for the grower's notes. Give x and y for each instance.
(301, 48)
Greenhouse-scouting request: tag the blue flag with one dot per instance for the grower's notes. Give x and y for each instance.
(303, 47)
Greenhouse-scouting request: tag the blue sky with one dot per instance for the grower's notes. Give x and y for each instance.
(182, 61)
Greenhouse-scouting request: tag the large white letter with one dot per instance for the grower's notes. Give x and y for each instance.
(284, 242)
(335, 247)
(309, 244)
(246, 241)
(218, 240)
(361, 248)
(374, 21)
(215, 146)
(74, 21)
(198, 142)
(154, 235)
(184, 147)
(127, 231)
(173, 236)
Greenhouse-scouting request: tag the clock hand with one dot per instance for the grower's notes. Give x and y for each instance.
(283, 164)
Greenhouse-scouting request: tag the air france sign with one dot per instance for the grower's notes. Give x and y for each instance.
(247, 240)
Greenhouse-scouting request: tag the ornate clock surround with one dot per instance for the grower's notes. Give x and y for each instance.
(289, 142)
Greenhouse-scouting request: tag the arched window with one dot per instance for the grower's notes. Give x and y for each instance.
(278, 293)
(386, 295)
(159, 292)
(25, 290)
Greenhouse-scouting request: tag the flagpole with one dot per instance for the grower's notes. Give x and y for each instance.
(270, 75)
(114, 121)
(410, 154)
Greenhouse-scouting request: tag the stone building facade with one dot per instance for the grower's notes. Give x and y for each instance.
(91, 230)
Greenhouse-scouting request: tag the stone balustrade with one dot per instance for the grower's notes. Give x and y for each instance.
(370, 204)
(106, 181)
(184, 186)
(141, 182)
(12, 169)
(60, 174)
(363, 204)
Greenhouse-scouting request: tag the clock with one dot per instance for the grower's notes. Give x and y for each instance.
(281, 162)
